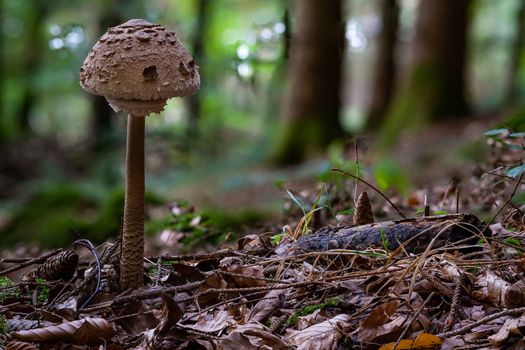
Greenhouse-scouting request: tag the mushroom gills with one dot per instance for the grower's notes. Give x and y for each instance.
(136, 107)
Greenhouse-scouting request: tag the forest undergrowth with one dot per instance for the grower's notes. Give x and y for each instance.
(447, 271)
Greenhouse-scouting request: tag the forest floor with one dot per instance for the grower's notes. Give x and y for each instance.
(450, 276)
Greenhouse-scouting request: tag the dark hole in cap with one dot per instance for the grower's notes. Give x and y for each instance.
(150, 73)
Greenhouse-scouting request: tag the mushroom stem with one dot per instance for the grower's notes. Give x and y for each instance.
(131, 275)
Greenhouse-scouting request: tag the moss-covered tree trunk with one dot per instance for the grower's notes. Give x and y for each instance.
(312, 102)
(435, 86)
(194, 101)
(384, 65)
(512, 86)
(102, 129)
(35, 46)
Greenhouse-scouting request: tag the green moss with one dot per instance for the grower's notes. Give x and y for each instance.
(300, 138)
(6, 282)
(425, 97)
(516, 121)
(60, 214)
(307, 310)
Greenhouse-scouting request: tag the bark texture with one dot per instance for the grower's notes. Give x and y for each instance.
(384, 65)
(311, 106)
(131, 274)
(414, 234)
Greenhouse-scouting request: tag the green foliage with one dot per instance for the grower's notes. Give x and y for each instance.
(12, 292)
(420, 101)
(519, 198)
(513, 241)
(389, 174)
(516, 171)
(58, 214)
(384, 240)
(516, 121)
(210, 226)
(277, 238)
(307, 310)
(42, 291)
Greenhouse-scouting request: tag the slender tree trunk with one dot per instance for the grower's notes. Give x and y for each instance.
(287, 35)
(384, 66)
(311, 106)
(33, 54)
(511, 89)
(102, 130)
(435, 86)
(198, 53)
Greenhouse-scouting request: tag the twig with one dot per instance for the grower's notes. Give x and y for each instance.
(38, 260)
(518, 182)
(469, 327)
(105, 258)
(356, 171)
(372, 187)
(412, 319)
(87, 244)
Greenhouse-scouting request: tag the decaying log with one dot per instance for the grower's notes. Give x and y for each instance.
(415, 233)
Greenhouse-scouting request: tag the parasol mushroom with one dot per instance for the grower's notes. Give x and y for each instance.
(137, 66)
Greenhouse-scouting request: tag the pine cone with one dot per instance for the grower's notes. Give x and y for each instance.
(363, 212)
(515, 295)
(59, 266)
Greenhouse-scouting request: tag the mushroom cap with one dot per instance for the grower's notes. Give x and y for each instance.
(137, 66)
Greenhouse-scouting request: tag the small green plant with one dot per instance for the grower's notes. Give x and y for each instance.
(514, 243)
(307, 310)
(384, 240)
(277, 238)
(14, 292)
(42, 290)
(5, 282)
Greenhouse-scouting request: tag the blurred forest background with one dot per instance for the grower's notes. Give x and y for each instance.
(287, 89)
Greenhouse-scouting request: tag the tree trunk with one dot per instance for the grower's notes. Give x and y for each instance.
(435, 82)
(311, 106)
(33, 53)
(511, 88)
(102, 130)
(384, 66)
(194, 101)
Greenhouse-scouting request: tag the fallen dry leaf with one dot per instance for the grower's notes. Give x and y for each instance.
(265, 307)
(322, 336)
(379, 322)
(515, 326)
(422, 341)
(18, 345)
(214, 322)
(87, 331)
